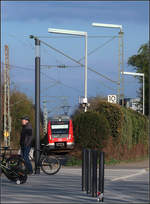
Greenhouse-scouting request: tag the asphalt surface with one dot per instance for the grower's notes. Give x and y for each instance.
(121, 185)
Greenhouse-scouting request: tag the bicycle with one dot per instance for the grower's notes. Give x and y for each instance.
(14, 167)
(49, 164)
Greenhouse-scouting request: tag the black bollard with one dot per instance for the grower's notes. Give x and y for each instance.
(94, 173)
(89, 171)
(101, 176)
(91, 164)
(83, 168)
(86, 169)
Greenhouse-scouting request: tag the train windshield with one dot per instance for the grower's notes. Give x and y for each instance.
(60, 127)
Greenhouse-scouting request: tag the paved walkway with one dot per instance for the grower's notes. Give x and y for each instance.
(121, 185)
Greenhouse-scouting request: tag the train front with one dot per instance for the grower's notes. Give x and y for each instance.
(60, 133)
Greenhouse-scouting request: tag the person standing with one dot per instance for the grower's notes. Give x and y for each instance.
(26, 138)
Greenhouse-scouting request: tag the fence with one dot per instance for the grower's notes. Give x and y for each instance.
(91, 160)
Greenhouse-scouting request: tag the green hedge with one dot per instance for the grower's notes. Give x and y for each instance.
(134, 128)
(91, 130)
(103, 119)
(114, 116)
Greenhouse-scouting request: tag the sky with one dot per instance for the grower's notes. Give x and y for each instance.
(19, 19)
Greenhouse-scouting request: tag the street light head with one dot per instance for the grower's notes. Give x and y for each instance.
(133, 74)
(68, 32)
(107, 25)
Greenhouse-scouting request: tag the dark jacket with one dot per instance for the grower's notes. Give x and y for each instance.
(26, 135)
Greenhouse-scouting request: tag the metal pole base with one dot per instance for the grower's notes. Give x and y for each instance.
(37, 171)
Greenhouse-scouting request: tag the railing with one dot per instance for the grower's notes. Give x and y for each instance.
(92, 181)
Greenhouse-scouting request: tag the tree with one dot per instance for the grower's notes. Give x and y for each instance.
(20, 105)
(141, 64)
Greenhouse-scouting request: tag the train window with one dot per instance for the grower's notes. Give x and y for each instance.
(60, 127)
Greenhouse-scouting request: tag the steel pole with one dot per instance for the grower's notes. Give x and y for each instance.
(118, 91)
(8, 102)
(37, 105)
(85, 80)
(122, 69)
(4, 131)
(143, 94)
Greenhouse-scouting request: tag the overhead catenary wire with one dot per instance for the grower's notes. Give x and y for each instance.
(91, 52)
(97, 48)
(60, 82)
(57, 96)
(27, 43)
(57, 82)
(59, 66)
(19, 67)
(29, 69)
(82, 65)
(49, 78)
(113, 89)
(60, 52)
(54, 80)
(76, 61)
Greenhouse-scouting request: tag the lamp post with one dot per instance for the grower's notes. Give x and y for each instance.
(37, 103)
(141, 75)
(120, 58)
(78, 33)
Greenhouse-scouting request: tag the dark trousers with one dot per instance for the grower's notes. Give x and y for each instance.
(25, 154)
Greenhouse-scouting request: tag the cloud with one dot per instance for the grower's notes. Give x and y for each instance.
(68, 11)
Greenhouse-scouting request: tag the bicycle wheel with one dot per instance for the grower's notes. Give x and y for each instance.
(16, 169)
(16, 161)
(50, 165)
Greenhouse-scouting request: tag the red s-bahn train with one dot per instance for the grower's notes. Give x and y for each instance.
(60, 132)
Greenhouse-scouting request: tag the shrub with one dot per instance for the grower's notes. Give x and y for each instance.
(120, 132)
(91, 130)
(112, 113)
